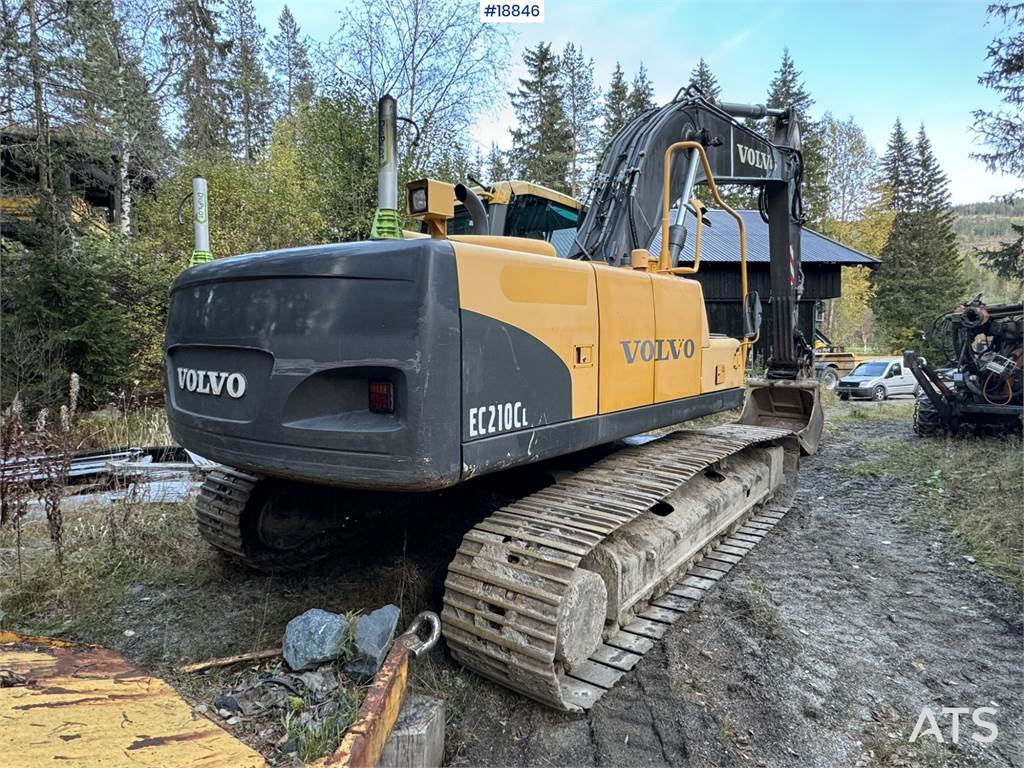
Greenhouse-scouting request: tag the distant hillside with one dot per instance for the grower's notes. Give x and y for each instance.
(984, 226)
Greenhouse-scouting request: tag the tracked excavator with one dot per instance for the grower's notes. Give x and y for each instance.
(324, 377)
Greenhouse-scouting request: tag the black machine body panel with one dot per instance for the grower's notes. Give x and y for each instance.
(269, 358)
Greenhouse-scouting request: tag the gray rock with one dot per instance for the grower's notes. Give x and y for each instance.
(373, 636)
(313, 638)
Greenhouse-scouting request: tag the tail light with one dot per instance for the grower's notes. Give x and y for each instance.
(382, 397)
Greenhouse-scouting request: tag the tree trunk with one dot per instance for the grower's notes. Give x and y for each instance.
(41, 124)
(124, 182)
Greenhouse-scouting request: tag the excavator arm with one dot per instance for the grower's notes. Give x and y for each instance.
(626, 200)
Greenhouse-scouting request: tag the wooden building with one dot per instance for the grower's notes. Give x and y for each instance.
(822, 259)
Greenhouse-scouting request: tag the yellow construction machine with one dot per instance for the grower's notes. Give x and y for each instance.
(319, 376)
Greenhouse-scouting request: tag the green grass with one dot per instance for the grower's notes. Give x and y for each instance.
(973, 484)
(118, 427)
(106, 551)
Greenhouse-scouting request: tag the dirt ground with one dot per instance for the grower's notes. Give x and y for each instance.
(819, 649)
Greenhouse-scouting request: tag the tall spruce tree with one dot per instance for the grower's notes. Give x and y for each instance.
(582, 110)
(641, 93)
(788, 90)
(705, 79)
(616, 105)
(1003, 129)
(496, 164)
(251, 96)
(289, 56)
(541, 144)
(921, 275)
(195, 37)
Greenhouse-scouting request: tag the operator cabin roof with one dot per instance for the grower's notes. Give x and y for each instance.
(720, 243)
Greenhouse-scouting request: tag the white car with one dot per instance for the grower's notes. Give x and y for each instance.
(878, 380)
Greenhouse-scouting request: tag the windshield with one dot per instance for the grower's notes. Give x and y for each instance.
(531, 216)
(869, 369)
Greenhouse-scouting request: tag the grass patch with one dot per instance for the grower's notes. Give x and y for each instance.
(122, 427)
(840, 412)
(106, 550)
(755, 602)
(971, 483)
(316, 737)
(458, 689)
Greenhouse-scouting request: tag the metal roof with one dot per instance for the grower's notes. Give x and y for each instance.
(720, 243)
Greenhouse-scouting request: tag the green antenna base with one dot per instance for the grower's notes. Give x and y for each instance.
(200, 257)
(385, 225)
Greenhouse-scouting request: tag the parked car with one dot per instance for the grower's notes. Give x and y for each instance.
(878, 380)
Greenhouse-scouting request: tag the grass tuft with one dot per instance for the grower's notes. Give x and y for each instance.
(106, 551)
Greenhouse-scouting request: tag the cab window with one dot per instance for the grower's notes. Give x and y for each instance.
(461, 223)
(541, 219)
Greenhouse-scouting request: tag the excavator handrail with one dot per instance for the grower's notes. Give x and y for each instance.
(664, 263)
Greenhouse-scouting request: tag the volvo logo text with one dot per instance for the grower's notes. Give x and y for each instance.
(754, 157)
(657, 349)
(211, 382)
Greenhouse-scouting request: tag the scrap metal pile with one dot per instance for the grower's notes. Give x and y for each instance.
(983, 384)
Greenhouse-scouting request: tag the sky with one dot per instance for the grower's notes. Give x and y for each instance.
(871, 59)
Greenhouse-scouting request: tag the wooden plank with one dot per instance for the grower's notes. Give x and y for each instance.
(87, 706)
(417, 740)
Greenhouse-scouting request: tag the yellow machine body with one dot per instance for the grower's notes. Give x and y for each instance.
(629, 338)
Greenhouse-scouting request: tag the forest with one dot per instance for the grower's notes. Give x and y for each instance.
(110, 107)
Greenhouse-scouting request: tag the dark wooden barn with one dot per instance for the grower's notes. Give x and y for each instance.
(719, 274)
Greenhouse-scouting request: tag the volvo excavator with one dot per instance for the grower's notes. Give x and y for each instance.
(324, 377)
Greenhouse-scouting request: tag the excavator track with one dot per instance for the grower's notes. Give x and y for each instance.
(513, 589)
(222, 500)
(228, 514)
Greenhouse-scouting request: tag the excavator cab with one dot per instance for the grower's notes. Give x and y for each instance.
(521, 209)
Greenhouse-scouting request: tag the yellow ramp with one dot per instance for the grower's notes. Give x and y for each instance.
(85, 706)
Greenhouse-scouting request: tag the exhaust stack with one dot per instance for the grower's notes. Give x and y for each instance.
(385, 219)
(200, 223)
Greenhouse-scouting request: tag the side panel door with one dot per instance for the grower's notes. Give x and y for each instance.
(627, 353)
(679, 342)
(529, 340)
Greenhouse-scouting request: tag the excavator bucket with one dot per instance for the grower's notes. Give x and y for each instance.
(787, 404)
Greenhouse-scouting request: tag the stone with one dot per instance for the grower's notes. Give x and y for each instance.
(313, 638)
(417, 740)
(373, 636)
(228, 703)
